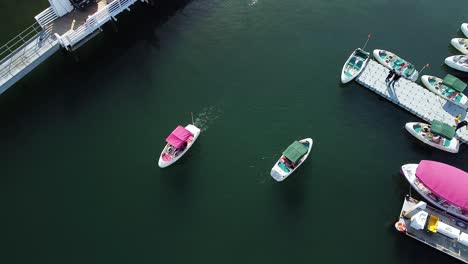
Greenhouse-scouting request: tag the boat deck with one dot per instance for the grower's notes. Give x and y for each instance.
(413, 97)
(436, 240)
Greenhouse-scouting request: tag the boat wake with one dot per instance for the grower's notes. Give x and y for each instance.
(206, 116)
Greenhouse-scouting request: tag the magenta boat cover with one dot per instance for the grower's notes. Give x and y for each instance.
(445, 181)
(178, 136)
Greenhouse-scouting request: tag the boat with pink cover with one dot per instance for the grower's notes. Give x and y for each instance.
(443, 185)
(178, 143)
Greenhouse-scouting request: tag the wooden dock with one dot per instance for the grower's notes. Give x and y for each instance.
(412, 97)
(438, 241)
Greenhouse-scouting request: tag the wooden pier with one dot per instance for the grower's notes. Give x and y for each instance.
(412, 97)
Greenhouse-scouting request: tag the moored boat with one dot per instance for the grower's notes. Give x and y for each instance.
(354, 65)
(392, 61)
(458, 62)
(442, 185)
(178, 143)
(460, 44)
(449, 88)
(438, 135)
(293, 157)
(464, 29)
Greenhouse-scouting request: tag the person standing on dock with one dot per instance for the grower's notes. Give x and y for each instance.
(395, 79)
(461, 124)
(390, 75)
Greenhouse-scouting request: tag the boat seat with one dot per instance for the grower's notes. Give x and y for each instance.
(432, 225)
(352, 61)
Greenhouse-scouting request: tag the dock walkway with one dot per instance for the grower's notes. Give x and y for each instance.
(412, 97)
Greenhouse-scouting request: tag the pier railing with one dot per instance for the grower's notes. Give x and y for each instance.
(17, 42)
(94, 22)
(46, 17)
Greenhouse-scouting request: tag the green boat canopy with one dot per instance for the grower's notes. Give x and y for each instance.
(295, 151)
(440, 128)
(454, 82)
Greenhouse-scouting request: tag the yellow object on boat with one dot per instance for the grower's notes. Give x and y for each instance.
(432, 225)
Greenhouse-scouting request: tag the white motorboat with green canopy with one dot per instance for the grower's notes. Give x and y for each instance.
(293, 157)
(460, 44)
(437, 134)
(355, 64)
(450, 88)
(392, 61)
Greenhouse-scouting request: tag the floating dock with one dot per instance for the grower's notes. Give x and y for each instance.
(60, 25)
(434, 228)
(412, 97)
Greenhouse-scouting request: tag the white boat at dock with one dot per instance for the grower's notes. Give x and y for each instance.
(434, 228)
(392, 61)
(449, 88)
(437, 134)
(458, 62)
(442, 185)
(460, 44)
(464, 29)
(356, 62)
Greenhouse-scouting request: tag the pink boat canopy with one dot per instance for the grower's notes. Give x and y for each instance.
(445, 181)
(178, 136)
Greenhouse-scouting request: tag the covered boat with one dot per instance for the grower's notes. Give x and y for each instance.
(438, 135)
(392, 61)
(355, 64)
(460, 44)
(178, 143)
(293, 157)
(450, 88)
(458, 62)
(443, 185)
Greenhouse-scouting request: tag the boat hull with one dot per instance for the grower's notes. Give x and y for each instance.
(413, 77)
(409, 171)
(452, 62)
(452, 147)
(435, 89)
(459, 44)
(464, 29)
(349, 71)
(163, 163)
(280, 175)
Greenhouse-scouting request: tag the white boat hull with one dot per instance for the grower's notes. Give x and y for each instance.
(279, 174)
(464, 29)
(460, 44)
(413, 77)
(453, 61)
(452, 147)
(435, 89)
(349, 72)
(195, 132)
(409, 171)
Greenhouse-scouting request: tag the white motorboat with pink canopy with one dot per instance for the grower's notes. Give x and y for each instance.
(443, 185)
(178, 143)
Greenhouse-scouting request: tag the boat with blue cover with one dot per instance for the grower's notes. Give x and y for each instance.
(293, 157)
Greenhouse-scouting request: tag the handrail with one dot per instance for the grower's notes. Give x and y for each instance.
(45, 17)
(19, 40)
(95, 21)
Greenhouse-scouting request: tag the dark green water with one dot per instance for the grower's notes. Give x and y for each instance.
(80, 140)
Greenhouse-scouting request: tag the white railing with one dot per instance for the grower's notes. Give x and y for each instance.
(45, 17)
(21, 56)
(18, 41)
(94, 22)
